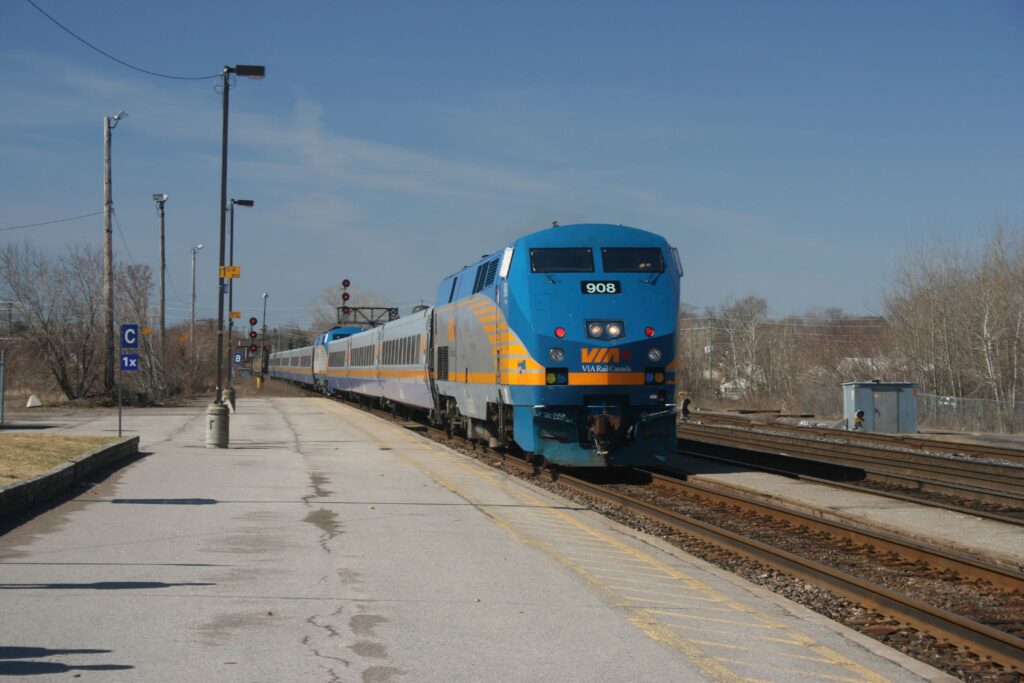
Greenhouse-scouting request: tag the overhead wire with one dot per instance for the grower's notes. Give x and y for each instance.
(59, 220)
(112, 57)
(174, 289)
(123, 240)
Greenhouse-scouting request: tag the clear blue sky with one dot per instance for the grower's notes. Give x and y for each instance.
(792, 150)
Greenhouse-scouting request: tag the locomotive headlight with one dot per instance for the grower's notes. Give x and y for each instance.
(614, 330)
(556, 354)
(654, 355)
(595, 330)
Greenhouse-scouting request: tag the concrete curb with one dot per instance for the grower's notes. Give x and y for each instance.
(42, 487)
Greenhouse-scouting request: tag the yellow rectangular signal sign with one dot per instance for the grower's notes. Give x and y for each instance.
(230, 271)
(236, 314)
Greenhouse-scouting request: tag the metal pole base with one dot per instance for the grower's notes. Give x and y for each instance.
(217, 426)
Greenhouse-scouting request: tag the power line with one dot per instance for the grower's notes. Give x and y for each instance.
(174, 289)
(123, 241)
(110, 56)
(59, 220)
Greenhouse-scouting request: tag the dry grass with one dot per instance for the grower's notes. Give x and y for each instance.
(26, 455)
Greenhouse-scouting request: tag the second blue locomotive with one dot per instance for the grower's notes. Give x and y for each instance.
(562, 342)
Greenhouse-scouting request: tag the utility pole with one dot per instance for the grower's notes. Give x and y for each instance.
(192, 333)
(160, 199)
(108, 267)
(109, 124)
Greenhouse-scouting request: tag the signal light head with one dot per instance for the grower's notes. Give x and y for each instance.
(252, 321)
(253, 347)
(346, 310)
(345, 283)
(345, 296)
(253, 334)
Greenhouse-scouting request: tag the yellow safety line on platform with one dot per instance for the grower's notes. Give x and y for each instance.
(642, 617)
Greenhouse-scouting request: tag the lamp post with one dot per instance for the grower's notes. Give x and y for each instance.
(160, 200)
(192, 334)
(231, 281)
(109, 124)
(248, 71)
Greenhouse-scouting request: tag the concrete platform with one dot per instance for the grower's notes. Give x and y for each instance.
(328, 545)
(999, 542)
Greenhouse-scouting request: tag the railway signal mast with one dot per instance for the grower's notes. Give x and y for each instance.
(370, 316)
(253, 336)
(345, 310)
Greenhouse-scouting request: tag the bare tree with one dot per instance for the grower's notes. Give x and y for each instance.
(958, 318)
(739, 324)
(59, 303)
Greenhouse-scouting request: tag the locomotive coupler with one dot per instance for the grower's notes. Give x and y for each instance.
(605, 430)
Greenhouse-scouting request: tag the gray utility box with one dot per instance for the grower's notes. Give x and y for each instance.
(888, 406)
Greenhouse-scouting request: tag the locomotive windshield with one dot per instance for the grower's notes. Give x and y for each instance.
(562, 260)
(632, 260)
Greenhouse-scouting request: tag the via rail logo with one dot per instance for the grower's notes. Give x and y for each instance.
(605, 360)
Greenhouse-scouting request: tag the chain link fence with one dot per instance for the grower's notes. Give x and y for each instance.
(970, 414)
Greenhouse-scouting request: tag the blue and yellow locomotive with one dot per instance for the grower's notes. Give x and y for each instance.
(562, 342)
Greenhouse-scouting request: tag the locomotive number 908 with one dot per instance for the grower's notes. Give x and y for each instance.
(602, 287)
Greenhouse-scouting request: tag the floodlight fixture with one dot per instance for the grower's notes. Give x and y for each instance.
(249, 71)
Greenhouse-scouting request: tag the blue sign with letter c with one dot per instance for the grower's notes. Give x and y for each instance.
(129, 336)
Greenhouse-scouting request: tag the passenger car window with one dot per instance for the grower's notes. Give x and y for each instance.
(562, 260)
(632, 260)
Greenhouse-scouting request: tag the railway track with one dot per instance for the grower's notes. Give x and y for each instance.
(952, 611)
(799, 470)
(998, 484)
(889, 441)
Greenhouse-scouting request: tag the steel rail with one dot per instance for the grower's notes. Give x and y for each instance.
(962, 563)
(996, 517)
(1007, 490)
(883, 440)
(982, 471)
